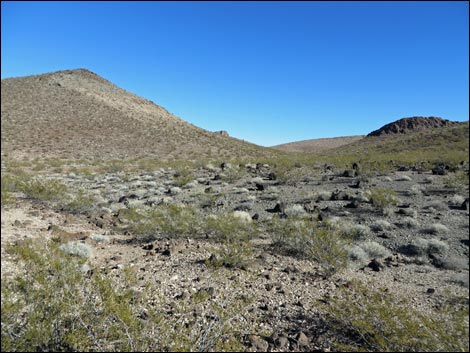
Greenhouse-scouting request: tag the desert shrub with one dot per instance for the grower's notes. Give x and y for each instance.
(314, 241)
(13, 182)
(233, 233)
(373, 320)
(76, 248)
(459, 179)
(233, 174)
(355, 231)
(5, 193)
(79, 203)
(420, 247)
(404, 178)
(456, 200)
(382, 197)
(296, 211)
(415, 190)
(380, 225)
(408, 212)
(44, 190)
(54, 305)
(165, 220)
(436, 228)
(374, 250)
(183, 176)
(322, 195)
(356, 253)
(409, 222)
(437, 205)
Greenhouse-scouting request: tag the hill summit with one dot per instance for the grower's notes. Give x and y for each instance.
(411, 124)
(78, 114)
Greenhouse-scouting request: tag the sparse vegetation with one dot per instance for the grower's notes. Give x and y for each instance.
(238, 242)
(55, 306)
(373, 320)
(233, 233)
(382, 197)
(317, 242)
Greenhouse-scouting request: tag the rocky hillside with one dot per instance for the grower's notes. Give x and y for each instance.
(317, 145)
(78, 114)
(407, 125)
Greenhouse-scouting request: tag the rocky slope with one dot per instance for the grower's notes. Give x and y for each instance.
(78, 114)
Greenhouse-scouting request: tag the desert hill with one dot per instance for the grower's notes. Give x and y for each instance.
(78, 114)
(412, 124)
(317, 145)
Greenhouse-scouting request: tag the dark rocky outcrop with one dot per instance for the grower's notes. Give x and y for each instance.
(412, 124)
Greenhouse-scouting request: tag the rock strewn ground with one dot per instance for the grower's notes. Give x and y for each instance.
(284, 290)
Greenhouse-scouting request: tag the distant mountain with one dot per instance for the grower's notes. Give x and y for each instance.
(78, 114)
(412, 124)
(317, 145)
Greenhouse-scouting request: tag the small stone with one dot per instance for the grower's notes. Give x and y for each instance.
(302, 339)
(258, 343)
(430, 291)
(282, 342)
(268, 286)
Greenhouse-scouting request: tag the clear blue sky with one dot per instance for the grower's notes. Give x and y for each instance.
(267, 72)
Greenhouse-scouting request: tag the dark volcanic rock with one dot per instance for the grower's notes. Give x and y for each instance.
(407, 125)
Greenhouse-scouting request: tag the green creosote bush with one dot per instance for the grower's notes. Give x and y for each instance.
(44, 190)
(80, 203)
(315, 241)
(233, 174)
(184, 176)
(52, 305)
(382, 198)
(167, 220)
(374, 321)
(5, 193)
(233, 235)
(459, 179)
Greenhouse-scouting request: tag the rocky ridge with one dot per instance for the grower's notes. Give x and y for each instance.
(412, 124)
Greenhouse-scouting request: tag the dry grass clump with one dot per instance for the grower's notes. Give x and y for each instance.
(415, 190)
(421, 246)
(355, 231)
(404, 178)
(322, 195)
(409, 222)
(437, 205)
(380, 225)
(76, 248)
(368, 250)
(456, 200)
(436, 228)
